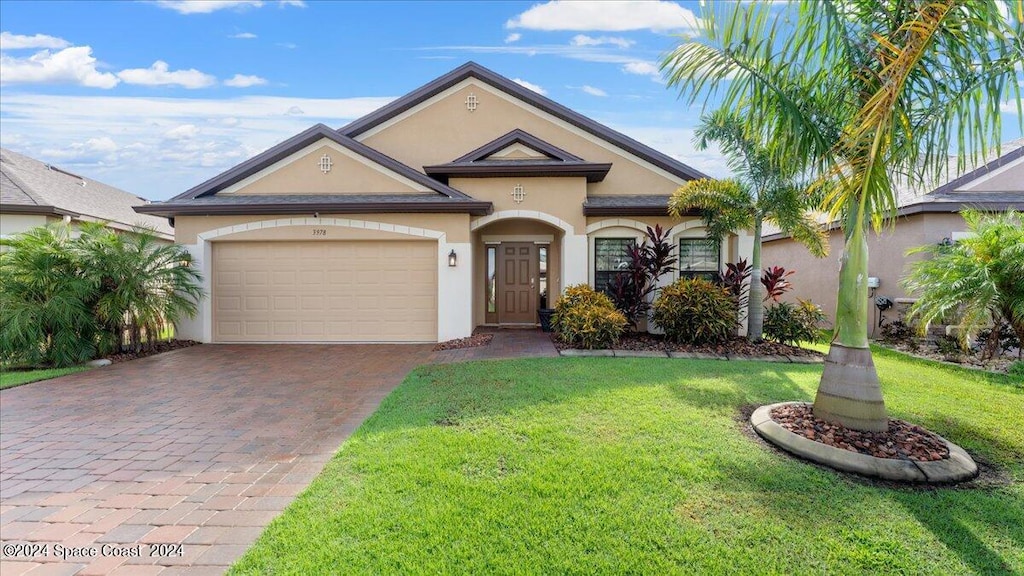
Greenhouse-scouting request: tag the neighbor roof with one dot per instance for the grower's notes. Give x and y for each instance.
(32, 187)
(474, 70)
(956, 193)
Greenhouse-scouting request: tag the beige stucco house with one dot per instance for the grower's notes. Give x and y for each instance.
(927, 215)
(34, 193)
(470, 201)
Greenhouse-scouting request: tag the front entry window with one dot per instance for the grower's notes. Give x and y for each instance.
(542, 254)
(699, 258)
(492, 259)
(610, 260)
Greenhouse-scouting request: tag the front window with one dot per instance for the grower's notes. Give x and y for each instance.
(542, 255)
(699, 257)
(610, 260)
(491, 284)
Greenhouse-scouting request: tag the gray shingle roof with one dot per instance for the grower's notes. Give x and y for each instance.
(28, 182)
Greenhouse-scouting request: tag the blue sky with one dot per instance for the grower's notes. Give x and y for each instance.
(155, 97)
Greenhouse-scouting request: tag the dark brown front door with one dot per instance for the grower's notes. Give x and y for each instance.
(517, 283)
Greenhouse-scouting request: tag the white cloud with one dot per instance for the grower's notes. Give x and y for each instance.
(10, 41)
(159, 74)
(127, 141)
(642, 69)
(287, 45)
(593, 91)
(208, 6)
(295, 111)
(244, 36)
(74, 65)
(612, 16)
(244, 81)
(513, 37)
(183, 132)
(1009, 107)
(678, 143)
(530, 86)
(584, 40)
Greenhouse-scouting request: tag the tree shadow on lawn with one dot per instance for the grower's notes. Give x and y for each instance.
(448, 394)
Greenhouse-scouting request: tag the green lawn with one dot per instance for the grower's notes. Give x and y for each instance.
(10, 379)
(609, 465)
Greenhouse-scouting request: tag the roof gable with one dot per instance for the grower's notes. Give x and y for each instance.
(496, 81)
(298, 143)
(517, 136)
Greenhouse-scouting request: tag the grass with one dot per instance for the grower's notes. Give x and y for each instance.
(12, 378)
(610, 465)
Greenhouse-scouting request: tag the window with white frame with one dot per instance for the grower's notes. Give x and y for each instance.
(699, 257)
(610, 260)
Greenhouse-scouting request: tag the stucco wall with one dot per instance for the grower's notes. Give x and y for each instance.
(11, 224)
(455, 226)
(818, 279)
(560, 197)
(349, 174)
(444, 130)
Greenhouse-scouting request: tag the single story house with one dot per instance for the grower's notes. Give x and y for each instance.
(931, 217)
(469, 201)
(34, 193)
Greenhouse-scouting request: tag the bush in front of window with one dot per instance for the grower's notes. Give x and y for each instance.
(789, 324)
(695, 311)
(585, 318)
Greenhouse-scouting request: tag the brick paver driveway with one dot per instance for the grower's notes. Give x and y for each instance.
(200, 447)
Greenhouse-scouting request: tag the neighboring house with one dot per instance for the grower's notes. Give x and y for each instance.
(33, 193)
(470, 201)
(929, 218)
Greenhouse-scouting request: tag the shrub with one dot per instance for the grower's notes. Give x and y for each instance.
(587, 319)
(695, 311)
(899, 332)
(999, 339)
(1016, 369)
(789, 324)
(631, 289)
(734, 280)
(950, 347)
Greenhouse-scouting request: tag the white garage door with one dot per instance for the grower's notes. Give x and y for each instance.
(324, 291)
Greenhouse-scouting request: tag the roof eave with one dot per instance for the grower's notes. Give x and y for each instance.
(475, 208)
(593, 172)
(40, 209)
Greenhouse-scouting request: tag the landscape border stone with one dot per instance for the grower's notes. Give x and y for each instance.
(958, 467)
(640, 353)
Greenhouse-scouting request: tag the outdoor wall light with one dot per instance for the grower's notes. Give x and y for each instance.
(452, 259)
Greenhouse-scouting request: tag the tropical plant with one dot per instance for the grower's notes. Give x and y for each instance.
(776, 282)
(735, 281)
(695, 311)
(145, 285)
(586, 318)
(979, 279)
(631, 289)
(763, 190)
(899, 332)
(44, 316)
(860, 93)
(791, 324)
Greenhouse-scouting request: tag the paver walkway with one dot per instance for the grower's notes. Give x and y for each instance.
(507, 343)
(200, 447)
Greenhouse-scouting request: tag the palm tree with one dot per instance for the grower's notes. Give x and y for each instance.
(762, 192)
(44, 320)
(860, 92)
(980, 279)
(145, 285)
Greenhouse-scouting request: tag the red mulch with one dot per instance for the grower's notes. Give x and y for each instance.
(469, 342)
(158, 348)
(737, 345)
(902, 441)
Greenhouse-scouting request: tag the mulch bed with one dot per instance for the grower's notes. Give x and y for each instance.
(158, 348)
(902, 441)
(737, 345)
(469, 342)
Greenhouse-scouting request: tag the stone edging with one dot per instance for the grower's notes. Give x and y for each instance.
(958, 467)
(576, 352)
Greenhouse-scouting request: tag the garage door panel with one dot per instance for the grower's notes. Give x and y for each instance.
(325, 291)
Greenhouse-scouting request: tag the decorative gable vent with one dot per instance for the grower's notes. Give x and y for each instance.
(325, 164)
(518, 194)
(472, 102)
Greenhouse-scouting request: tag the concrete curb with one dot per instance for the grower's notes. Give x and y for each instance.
(577, 352)
(958, 467)
(640, 354)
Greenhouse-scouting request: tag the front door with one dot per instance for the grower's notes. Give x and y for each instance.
(517, 284)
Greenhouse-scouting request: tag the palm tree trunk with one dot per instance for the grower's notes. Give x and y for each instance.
(849, 392)
(755, 304)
